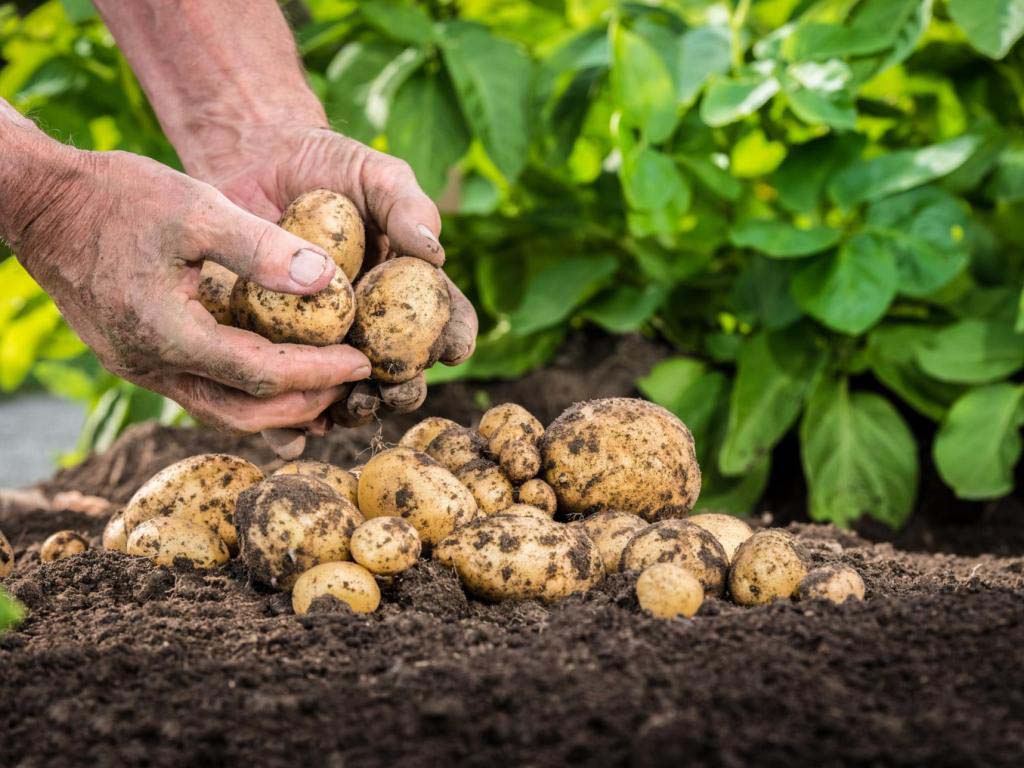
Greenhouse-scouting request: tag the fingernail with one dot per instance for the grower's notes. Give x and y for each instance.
(362, 371)
(307, 266)
(424, 230)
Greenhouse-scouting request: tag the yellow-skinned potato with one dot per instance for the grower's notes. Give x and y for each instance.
(525, 510)
(518, 557)
(488, 484)
(836, 583)
(668, 590)
(456, 447)
(537, 493)
(319, 320)
(61, 545)
(729, 530)
(348, 582)
(115, 537)
(215, 286)
(402, 308)
(685, 544)
(343, 481)
(401, 482)
(418, 436)
(621, 453)
(6, 557)
(289, 523)
(166, 539)
(332, 221)
(611, 532)
(512, 434)
(203, 489)
(386, 545)
(768, 566)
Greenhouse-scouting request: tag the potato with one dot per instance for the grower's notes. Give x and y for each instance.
(682, 543)
(165, 540)
(488, 484)
(837, 583)
(215, 286)
(386, 545)
(418, 437)
(61, 545)
(537, 493)
(345, 483)
(455, 447)
(348, 582)
(289, 523)
(115, 537)
(319, 320)
(729, 530)
(512, 434)
(203, 489)
(519, 557)
(611, 531)
(402, 308)
(330, 220)
(401, 482)
(525, 510)
(668, 590)
(768, 566)
(624, 454)
(6, 557)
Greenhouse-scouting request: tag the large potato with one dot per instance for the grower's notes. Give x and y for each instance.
(115, 537)
(768, 566)
(456, 447)
(330, 220)
(611, 531)
(215, 286)
(289, 523)
(419, 435)
(835, 583)
(402, 308)
(386, 545)
(682, 543)
(342, 481)
(488, 484)
(401, 482)
(729, 530)
(167, 539)
(61, 545)
(621, 453)
(517, 557)
(203, 489)
(668, 590)
(525, 510)
(512, 434)
(319, 320)
(348, 582)
(6, 557)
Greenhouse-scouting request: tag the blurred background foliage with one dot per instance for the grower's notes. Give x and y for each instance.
(818, 204)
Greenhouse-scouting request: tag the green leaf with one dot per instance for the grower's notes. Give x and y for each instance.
(349, 77)
(754, 154)
(703, 52)
(762, 296)
(775, 372)
(1007, 183)
(874, 178)
(801, 178)
(730, 99)
(382, 89)
(817, 93)
(64, 380)
(405, 23)
(20, 343)
(11, 611)
(979, 442)
(892, 355)
(79, 10)
(859, 457)
(850, 290)
(780, 239)
(972, 351)
(991, 26)
(626, 308)
(558, 288)
(492, 78)
(714, 179)
(686, 387)
(651, 181)
(501, 355)
(642, 86)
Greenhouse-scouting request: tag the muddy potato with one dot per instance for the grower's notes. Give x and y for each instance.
(349, 582)
(319, 320)
(289, 523)
(418, 436)
(166, 539)
(729, 530)
(329, 220)
(611, 531)
(115, 537)
(685, 544)
(215, 286)
(401, 482)
(768, 566)
(455, 447)
(203, 489)
(6, 557)
(386, 545)
(402, 308)
(525, 510)
(668, 590)
(488, 484)
(621, 453)
(342, 481)
(61, 545)
(512, 434)
(537, 493)
(837, 583)
(519, 557)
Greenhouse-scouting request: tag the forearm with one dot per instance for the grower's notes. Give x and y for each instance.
(214, 70)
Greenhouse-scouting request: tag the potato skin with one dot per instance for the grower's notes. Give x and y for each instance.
(203, 489)
(402, 308)
(455, 447)
(166, 539)
(386, 545)
(215, 286)
(348, 582)
(537, 493)
(668, 590)
(61, 545)
(345, 483)
(621, 453)
(419, 435)
(6, 557)
(835, 583)
(682, 543)
(768, 566)
(491, 489)
(730, 531)
(525, 510)
(401, 482)
(512, 434)
(611, 531)
(319, 320)
(332, 221)
(516, 557)
(115, 537)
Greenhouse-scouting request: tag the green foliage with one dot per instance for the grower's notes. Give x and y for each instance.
(11, 611)
(818, 203)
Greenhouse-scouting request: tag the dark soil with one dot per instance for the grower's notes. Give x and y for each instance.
(125, 663)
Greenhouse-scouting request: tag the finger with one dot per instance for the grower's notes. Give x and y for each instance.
(405, 397)
(359, 408)
(401, 208)
(287, 444)
(460, 334)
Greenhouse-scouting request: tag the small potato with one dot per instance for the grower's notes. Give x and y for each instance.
(768, 566)
(215, 286)
(401, 482)
(165, 540)
(518, 557)
(345, 483)
(488, 484)
(386, 545)
(289, 523)
(418, 436)
(348, 582)
(611, 531)
(319, 320)
(512, 434)
(668, 590)
(525, 510)
(402, 308)
(537, 493)
(456, 447)
(682, 543)
(729, 530)
(330, 220)
(61, 545)
(203, 489)
(6, 557)
(115, 537)
(837, 583)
